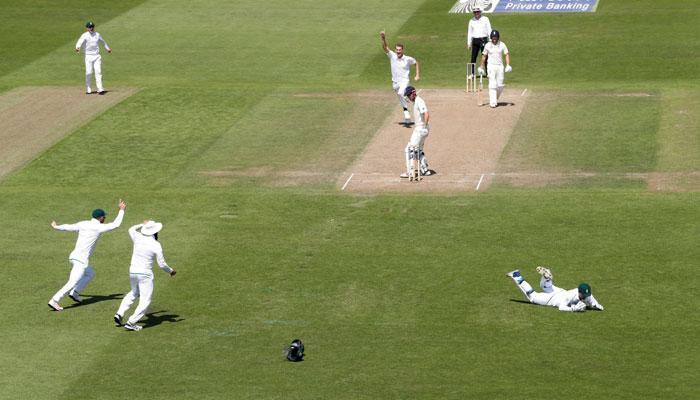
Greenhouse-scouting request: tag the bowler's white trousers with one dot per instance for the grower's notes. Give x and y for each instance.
(80, 275)
(400, 87)
(141, 288)
(93, 63)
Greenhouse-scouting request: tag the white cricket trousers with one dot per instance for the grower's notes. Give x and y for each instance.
(416, 142)
(80, 275)
(142, 289)
(496, 74)
(543, 298)
(93, 63)
(400, 88)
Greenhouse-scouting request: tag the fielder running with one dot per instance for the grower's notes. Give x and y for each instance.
(414, 148)
(400, 73)
(81, 272)
(93, 60)
(146, 250)
(494, 51)
(574, 300)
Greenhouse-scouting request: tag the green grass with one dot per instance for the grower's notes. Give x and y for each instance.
(394, 296)
(594, 132)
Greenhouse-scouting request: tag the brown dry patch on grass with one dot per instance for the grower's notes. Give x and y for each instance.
(462, 147)
(674, 182)
(32, 119)
(654, 181)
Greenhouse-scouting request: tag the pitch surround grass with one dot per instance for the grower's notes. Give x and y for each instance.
(395, 296)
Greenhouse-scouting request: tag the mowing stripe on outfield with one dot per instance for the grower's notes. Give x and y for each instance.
(32, 119)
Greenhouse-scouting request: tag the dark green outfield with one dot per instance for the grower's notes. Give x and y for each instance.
(395, 296)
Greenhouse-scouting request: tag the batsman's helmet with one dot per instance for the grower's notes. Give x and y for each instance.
(295, 351)
(495, 34)
(89, 24)
(409, 89)
(584, 290)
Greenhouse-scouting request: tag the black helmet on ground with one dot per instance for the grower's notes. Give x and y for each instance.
(295, 351)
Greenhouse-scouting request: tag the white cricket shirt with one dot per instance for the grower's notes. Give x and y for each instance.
(92, 41)
(88, 233)
(566, 299)
(478, 28)
(495, 52)
(146, 250)
(419, 107)
(400, 67)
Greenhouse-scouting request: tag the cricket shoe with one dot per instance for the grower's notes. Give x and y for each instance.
(55, 306)
(545, 272)
(404, 175)
(88, 91)
(515, 275)
(132, 327)
(118, 319)
(75, 296)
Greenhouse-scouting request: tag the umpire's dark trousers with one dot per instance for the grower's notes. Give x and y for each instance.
(478, 48)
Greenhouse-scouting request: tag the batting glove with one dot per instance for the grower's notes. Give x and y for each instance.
(509, 68)
(480, 71)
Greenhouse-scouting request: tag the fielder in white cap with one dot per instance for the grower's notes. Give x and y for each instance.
(146, 250)
(400, 73)
(573, 300)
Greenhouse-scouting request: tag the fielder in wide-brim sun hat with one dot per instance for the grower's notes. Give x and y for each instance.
(151, 228)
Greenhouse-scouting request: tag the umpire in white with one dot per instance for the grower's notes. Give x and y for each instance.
(477, 34)
(146, 250)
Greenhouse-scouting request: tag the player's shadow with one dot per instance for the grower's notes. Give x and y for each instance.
(521, 301)
(505, 103)
(154, 319)
(95, 298)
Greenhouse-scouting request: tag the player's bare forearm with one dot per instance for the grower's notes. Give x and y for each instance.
(382, 36)
(426, 118)
(508, 59)
(417, 71)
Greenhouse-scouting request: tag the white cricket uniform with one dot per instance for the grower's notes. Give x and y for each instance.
(400, 74)
(88, 233)
(421, 130)
(478, 28)
(93, 60)
(146, 250)
(496, 69)
(564, 300)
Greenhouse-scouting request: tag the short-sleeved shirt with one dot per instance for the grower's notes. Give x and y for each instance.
(419, 107)
(400, 67)
(495, 52)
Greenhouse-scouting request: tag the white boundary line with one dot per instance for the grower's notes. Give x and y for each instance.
(346, 182)
(479, 184)
(523, 93)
